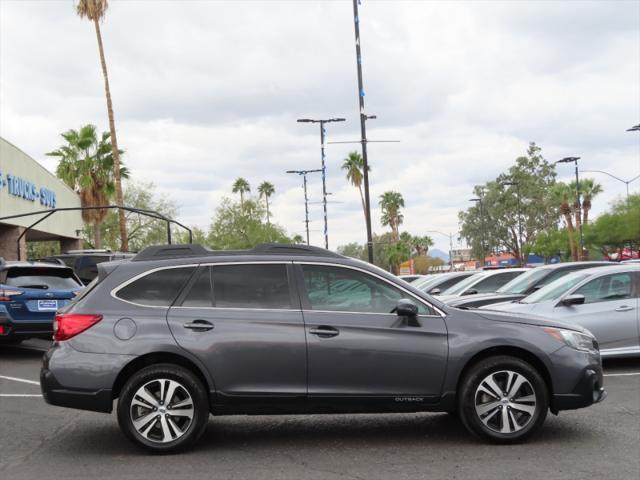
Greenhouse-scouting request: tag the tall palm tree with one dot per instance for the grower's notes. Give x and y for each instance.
(562, 193)
(589, 189)
(94, 10)
(241, 186)
(354, 166)
(422, 244)
(86, 165)
(266, 189)
(390, 203)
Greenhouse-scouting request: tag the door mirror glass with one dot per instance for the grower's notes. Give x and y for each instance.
(575, 299)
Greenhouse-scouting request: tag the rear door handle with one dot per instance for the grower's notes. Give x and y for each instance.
(199, 326)
(624, 308)
(325, 331)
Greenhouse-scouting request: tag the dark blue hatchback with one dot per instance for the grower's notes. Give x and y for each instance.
(30, 295)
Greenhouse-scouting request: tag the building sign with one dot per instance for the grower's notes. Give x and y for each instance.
(21, 188)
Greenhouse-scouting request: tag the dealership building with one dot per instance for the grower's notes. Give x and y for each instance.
(26, 187)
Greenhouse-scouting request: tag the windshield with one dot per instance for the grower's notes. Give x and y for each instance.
(556, 289)
(524, 282)
(464, 284)
(42, 278)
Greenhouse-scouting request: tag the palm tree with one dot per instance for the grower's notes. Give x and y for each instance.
(241, 186)
(589, 189)
(562, 193)
(266, 189)
(86, 165)
(391, 202)
(422, 244)
(298, 239)
(95, 10)
(354, 166)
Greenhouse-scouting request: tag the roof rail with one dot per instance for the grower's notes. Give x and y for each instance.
(159, 252)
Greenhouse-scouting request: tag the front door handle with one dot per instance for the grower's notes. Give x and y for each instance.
(199, 326)
(624, 308)
(325, 332)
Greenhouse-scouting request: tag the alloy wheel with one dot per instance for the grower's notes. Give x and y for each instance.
(161, 410)
(505, 402)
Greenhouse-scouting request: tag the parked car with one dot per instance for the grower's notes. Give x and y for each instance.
(437, 283)
(603, 300)
(482, 282)
(525, 284)
(30, 294)
(180, 332)
(84, 262)
(411, 278)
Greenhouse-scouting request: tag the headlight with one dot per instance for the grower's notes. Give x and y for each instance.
(575, 340)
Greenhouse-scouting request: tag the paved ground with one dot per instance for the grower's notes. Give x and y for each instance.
(39, 441)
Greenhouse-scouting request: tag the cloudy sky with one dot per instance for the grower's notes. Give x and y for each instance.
(206, 91)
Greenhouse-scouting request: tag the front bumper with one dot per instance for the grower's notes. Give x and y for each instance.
(581, 390)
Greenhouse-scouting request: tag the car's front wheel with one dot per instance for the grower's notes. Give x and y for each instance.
(163, 408)
(503, 399)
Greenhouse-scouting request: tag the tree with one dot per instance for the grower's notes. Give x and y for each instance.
(496, 227)
(240, 226)
(143, 230)
(354, 166)
(562, 194)
(266, 189)
(353, 250)
(297, 239)
(423, 264)
(421, 244)
(395, 254)
(391, 203)
(86, 165)
(95, 10)
(619, 227)
(241, 186)
(588, 189)
(549, 244)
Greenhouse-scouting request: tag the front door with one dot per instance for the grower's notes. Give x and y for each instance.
(357, 348)
(243, 321)
(610, 312)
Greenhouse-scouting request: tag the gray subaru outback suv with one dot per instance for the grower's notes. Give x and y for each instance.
(180, 332)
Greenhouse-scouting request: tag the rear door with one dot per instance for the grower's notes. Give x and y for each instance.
(244, 322)
(357, 350)
(610, 312)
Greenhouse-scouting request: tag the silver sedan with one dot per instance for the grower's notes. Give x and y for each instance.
(604, 300)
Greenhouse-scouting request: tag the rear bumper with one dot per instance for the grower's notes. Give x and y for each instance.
(25, 329)
(55, 394)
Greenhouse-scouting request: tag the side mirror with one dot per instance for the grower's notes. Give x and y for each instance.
(406, 308)
(435, 291)
(471, 291)
(575, 299)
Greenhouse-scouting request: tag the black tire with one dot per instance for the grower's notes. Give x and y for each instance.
(190, 387)
(519, 424)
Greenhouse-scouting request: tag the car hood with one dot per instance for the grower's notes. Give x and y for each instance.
(527, 319)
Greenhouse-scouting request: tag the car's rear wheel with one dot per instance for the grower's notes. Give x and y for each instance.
(163, 408)
(503, 399)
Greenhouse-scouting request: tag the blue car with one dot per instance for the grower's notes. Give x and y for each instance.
(30, 295)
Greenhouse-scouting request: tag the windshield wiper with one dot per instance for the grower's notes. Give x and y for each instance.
(39, 287)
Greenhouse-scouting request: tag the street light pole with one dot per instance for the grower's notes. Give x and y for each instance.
(479, 203)
(363, 133)
(304, 173)
(517, 185)
(635, 128)
(578, 203)
(626, 182)
(324, 169)
(450, 235)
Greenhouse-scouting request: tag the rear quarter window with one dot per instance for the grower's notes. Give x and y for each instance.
(157, 289)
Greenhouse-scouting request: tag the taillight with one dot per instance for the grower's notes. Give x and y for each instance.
(6, 295)
(66, 326)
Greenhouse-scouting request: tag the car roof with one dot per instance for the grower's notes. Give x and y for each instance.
(610, 269)
(554, 266)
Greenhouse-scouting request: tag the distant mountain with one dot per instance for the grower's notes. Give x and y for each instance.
(434, 252)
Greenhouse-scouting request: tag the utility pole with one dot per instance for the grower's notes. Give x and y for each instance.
(324, 169)
(363, 133)
(304, 173)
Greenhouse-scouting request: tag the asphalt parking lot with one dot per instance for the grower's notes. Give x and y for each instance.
(40, 441)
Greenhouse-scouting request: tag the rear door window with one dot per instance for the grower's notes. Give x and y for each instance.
(251, 286)
(159, 288)
(42, 278)
(200, 293)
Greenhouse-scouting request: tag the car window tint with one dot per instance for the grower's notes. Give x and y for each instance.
(199, 294)
(493, 282)
(251, 286)
(347, 290)
(607, 288)
(159, 288)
